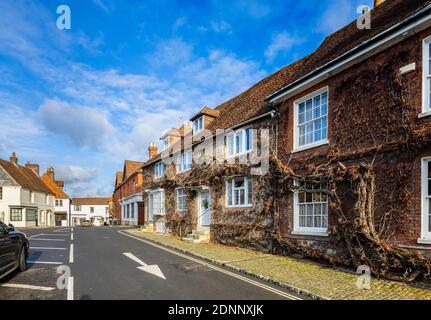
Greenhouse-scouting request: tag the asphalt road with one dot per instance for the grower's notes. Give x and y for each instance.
(106, 264)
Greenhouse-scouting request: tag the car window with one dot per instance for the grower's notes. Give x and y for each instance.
(3, 229)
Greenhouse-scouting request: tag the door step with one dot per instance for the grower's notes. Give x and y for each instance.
(197, 237)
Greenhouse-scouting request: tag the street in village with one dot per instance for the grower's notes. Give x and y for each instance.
(108, 264)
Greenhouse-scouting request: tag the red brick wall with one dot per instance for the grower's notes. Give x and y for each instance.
(131, 186)
(409, 51)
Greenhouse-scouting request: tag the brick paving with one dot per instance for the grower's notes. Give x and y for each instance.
(309, 277)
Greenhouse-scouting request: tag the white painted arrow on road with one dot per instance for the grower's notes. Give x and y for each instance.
(153, 269)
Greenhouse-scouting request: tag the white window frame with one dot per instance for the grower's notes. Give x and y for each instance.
(159, 170)
(198, 125)
(165, 143)
(307, 230)
(425, 232)
(232, 137)
(151, 204)
(247, 203)
(296, 146)
(77, 208)
(182, 164)
(426, 78)
(183, 195)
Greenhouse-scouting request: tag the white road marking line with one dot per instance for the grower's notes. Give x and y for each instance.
(25, 286)
(44, 262)
(48, 234)
(71, 236)
(232, 274)
(46, 239)
(152, 269)
(46, 248)
(134, 258)
(71, 229)
(70, 289)
(71, 253)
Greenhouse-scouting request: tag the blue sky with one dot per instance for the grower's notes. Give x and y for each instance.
(85, 99)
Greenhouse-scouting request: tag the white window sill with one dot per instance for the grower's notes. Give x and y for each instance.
(424, 114)
(240, 207)
(310, 233)
(424, 240)
(229, 157)
(310, 146)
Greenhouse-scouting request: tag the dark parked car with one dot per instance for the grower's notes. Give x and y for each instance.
(13, 250)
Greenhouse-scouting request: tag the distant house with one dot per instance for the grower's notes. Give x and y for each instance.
(127, 198)
(62, 200)
(25, 200)
(93, 209)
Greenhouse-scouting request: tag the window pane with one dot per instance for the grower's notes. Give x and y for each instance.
(242, 197)
(309, 110)
(238, 141)
(236, 198)
(239, 183)
(249, 139)
(301, 197)
(302, 108)
(250, 191)
(230, 150)
(229, 192)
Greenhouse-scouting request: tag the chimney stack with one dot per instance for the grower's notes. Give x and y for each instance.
(378, 2)
(13, 158)
(152, 150)
(34, 167)
(60, 184)
(50, 173)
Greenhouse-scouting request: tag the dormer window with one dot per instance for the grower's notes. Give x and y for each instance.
(159, 170)
(165, 144)
(198, 125)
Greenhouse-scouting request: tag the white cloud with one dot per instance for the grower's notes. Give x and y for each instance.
(102, 5)
(171, 52)
(281, 43)
(74, 174)
(85, 127)
(221, 26)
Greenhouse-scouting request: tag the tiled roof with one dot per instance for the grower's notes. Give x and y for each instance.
(118, 178)
(130, 167)
(252, 102)
(383, 17)
(59, 193)
(91, 201)
(207, 111)
(25, 177)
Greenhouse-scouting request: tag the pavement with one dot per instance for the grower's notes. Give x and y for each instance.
(105, 264)
(303, 276)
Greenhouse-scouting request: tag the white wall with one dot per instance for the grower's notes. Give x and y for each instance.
(85, 213)
(17, 196)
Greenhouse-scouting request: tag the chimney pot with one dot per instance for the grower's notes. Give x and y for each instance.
(152, 150)
(378, 2)
(34, 167)
(13, 158)
(51, 172)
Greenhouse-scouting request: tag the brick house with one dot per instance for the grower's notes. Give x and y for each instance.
(362, 97)
(62, 200)
(361, 100)
(127, 197)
